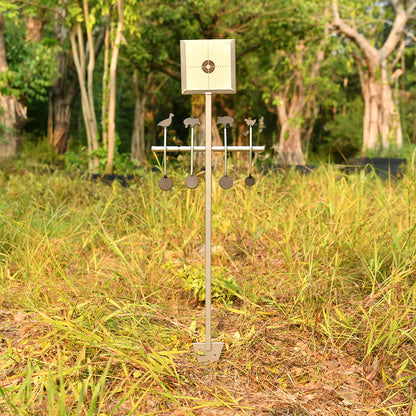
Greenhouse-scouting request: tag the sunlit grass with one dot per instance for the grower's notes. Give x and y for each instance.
(101, 295)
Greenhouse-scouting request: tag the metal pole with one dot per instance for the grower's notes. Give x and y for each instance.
(225, 150)
(164, 151)
(208, 212)
(192, 150)
(251, 148)
(208, 351)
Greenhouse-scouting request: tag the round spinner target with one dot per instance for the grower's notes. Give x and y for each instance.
(226, 182)
(250, 181)
(165, 183)
(191, 181)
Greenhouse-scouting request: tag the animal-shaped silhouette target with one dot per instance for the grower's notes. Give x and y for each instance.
(208, 66)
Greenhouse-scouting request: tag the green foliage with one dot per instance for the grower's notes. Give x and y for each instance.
(75, 11)
(223, 285)
(345, 131)
(9, 7)
(32, 66)
(267, 34)
(76, 160)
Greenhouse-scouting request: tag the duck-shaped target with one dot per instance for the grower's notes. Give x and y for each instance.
(167, 121)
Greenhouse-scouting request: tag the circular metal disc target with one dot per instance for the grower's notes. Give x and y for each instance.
(226, 182)
(165, 183)
(191, 181)
(250, 181)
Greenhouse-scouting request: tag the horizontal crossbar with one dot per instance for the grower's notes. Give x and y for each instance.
(214, 148)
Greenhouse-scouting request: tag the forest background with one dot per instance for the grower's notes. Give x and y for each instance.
(326, 80)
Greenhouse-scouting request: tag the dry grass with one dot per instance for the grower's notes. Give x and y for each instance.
(315, 297)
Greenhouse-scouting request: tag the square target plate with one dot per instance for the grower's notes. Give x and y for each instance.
(208, 66)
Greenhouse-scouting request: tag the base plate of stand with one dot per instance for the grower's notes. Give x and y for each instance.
(208, 356)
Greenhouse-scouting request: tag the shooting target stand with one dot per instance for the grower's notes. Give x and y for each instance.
(207, 67)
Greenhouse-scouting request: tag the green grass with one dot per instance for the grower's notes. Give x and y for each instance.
(101, 296)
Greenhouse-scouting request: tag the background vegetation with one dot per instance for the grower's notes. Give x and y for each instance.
(301, 67)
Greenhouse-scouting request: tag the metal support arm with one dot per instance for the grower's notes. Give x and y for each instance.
(214, 148)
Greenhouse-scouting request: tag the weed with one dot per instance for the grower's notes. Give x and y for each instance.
(313, 288)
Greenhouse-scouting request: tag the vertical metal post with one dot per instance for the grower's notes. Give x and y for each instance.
(251, 149)
(225, 150)
(208, 221)
(192, 150)
(208, 351)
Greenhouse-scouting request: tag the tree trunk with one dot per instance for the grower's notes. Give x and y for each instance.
(296, 108)
(66, 89)
(381, 116)
(12, 121)
(63, 102)
(291, 113)
(105, 94)
(34, 29)
(86, 88)
(62, 95)
(12, 112)
(381, 124)
(112, 89)
(153, 129)
(290, 145)
(138, 151)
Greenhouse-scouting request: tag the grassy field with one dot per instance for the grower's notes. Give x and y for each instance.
(102, 292)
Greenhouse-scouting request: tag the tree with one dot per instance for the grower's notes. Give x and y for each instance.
(163, 28)
(379, 55)
(142, 35)
(115, 48)
(138, 144)
(111, 52)
(12, 113)
(296, 103)
(103, 22)
(85, 64)
(294, 50)
(65, 90)
(27, 70)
